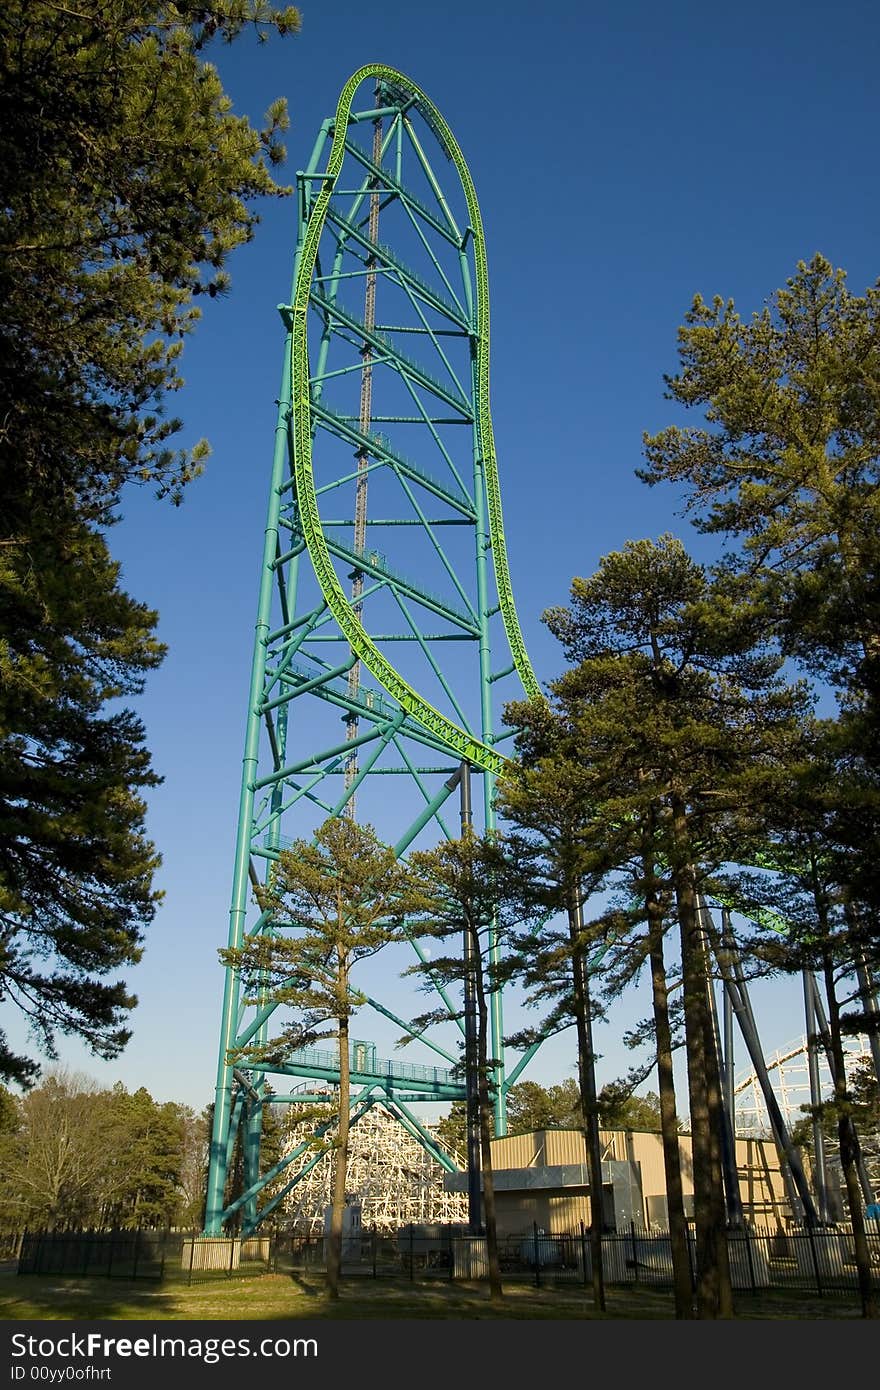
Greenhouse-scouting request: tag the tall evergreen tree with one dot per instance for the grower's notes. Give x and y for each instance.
(559, 859)
(330, 904)
(471, 904)
(125, 183)
(567, 844)
(676, 702)
(811, 926)
(787, 463)
(143, 1142)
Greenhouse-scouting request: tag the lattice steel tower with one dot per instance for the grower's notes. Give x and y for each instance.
(386, 634)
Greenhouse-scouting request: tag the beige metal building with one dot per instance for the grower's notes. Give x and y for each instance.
(541, 1178)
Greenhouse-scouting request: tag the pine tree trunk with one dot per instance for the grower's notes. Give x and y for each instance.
(587, 1083)
(848, 1140)
(714, 1295)
(496, 1292)
(678, 1236)
(334, 1248)
(717, 1119)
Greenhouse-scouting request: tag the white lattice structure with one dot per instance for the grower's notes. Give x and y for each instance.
(389, 1174)
(790, 1078)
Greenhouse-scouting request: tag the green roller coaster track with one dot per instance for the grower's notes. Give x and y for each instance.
(350, 386)
(457, 739)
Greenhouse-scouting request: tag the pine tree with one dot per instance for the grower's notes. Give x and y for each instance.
(329, 905)
(471, 903)
(805, 922)
(559, 859)
(787, 464)
(125, 183)
(567, 843)
(677, 705)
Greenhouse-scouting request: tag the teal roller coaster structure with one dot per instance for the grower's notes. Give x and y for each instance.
(386, 632)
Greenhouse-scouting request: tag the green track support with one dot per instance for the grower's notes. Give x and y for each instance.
(384, 538)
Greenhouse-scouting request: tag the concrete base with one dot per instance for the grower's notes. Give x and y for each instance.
(211, 1252)
(469, 1258)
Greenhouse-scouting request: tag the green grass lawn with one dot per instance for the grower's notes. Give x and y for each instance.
(304, 1296)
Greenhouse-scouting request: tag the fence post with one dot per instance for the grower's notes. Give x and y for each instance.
(632, 1231)
(373, 1248)
(165, 1237)
(192, 1254)
(451, 1240)
(412, 1236)
(747, 1237)
(811, 1238)
(110, 1255)
(231, 1254)
(537, 1258)
(584, 1253)
(134, 1270)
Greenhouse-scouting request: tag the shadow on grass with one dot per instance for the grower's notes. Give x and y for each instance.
(297, 1294)
(41, 1296)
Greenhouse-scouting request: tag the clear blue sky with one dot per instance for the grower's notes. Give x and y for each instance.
(625, 157)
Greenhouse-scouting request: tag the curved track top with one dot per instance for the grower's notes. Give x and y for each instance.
(464, 744)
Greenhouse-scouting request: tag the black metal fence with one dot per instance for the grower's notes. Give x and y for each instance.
(141, 1254)
(817, 1261)
(113, 1254)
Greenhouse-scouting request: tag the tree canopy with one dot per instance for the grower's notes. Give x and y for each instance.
(125, 182)
(74, 1154)
(788, 458)
(786, 463)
